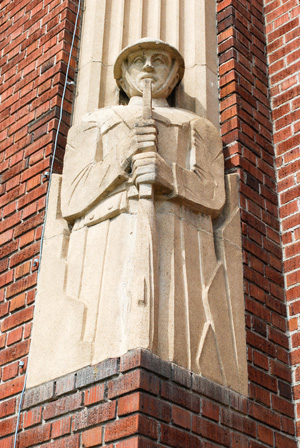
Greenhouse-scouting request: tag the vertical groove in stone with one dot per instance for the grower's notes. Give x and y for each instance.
(177, 26)
(181, 27)
(145, 16)
(170, 22)
(122, 23)
(101, 26)
(189, 25)
(113, 42)
(189, 30)
(104, 50)
(91, 52)
(151, 19)
(159, 18)
(132, 21)
(163, 20)
(187, 93)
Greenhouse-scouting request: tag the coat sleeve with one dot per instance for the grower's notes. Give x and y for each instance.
(202, 185)
(87, 176)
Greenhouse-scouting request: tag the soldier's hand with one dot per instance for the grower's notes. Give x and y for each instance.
(144, 139)
(144, 136)
(151, 168)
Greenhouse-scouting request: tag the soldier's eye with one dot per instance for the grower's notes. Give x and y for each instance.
(138, 60)
(160, 60)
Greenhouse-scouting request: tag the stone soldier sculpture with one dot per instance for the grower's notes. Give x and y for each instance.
(141, 187)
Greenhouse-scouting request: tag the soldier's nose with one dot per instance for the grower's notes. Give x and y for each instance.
(148, 67)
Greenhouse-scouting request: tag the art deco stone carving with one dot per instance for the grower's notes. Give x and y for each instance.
(151, 256)
(110, 25)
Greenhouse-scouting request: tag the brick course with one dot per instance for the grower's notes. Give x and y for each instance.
(283, 43)
(249, 133)
(35, 38)
(140, 414)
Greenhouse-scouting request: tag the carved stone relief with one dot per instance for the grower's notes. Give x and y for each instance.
(145, 245)
(110, 25)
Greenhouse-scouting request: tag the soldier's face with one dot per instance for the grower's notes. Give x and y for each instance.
(150, 64)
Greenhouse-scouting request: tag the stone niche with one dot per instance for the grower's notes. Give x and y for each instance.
(179, 291)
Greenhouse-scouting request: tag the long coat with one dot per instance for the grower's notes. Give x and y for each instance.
(101, 203)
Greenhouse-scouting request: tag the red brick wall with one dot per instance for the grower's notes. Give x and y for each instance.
(246, 126)
(35, 38)
(139, 401)
(283, 38)
(154, 404)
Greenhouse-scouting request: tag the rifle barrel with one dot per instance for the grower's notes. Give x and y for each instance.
(147, 99)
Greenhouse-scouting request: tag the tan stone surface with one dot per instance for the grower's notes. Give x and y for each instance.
(110, 25)
(229, 249)
(143, 193)
(56, 347)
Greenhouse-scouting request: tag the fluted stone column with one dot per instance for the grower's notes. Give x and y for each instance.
(110, 25)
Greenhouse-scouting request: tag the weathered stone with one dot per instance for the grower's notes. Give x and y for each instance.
(140, 258)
